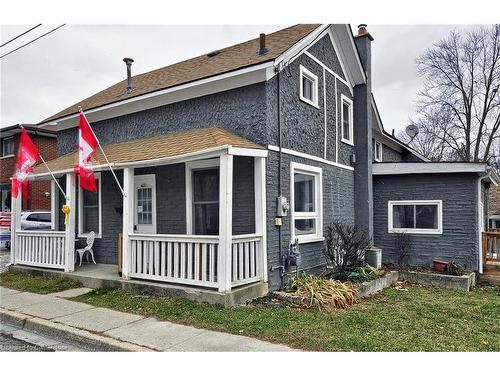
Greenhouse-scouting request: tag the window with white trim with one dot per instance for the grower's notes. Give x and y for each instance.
(89, 210)
(347, 120)
(308, 87)
(202, 196)
(8, 146)
(418, 217)
(306, 203)
(378, 151)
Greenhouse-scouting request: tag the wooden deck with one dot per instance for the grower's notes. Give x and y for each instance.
(491, 256)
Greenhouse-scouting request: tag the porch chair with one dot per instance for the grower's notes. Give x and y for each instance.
(87, 249)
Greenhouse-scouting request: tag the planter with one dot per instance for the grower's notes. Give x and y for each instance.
(440, 265)
(371, 287)
(465, 282)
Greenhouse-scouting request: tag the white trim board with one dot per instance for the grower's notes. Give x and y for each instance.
(309, 157)
(417, 168)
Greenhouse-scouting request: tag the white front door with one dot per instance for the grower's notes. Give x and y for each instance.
(145, 204)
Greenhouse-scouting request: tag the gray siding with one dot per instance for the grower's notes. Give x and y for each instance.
(338, 204)
(459, 241)
(241, 111)
(323, 49)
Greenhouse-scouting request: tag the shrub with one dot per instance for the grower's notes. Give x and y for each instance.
(345, 248)
(403, 244)
(325, 294)
(365, 273)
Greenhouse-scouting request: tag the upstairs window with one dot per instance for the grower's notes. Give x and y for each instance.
(347, 121)
(8, 146)
(308, 87)
(417, 217)
(378, 151)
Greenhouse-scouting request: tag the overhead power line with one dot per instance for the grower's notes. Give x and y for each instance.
(20, 35)
(31, 41)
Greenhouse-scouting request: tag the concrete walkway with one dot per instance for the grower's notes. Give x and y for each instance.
(103, 329)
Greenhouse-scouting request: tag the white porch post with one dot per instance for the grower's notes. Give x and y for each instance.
(15, 224)
(260, 213)
(54, 204)
(70, 227)
(225, 222)
(128, 219)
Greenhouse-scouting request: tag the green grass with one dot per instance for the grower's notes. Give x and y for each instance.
(36, 284)
(417, 319)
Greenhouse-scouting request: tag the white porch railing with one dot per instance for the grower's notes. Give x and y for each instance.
(181, 259)
(191, 259)
(246, 259)
(41, 248)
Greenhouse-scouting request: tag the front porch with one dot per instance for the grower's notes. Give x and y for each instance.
(191, 218)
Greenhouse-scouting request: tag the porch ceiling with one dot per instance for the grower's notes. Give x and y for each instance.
(161, 146)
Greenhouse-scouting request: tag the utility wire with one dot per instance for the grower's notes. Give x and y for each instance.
(41, 36)
(20, 35)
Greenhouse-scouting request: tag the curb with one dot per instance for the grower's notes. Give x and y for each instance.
(76, 336)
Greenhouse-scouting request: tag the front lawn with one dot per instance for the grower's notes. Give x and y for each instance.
(36, 284)
(416, 318)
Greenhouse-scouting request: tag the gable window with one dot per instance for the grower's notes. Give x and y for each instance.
(8, 146)
(308, 87)
(306, 203)
(347, 121)
(378, 151)
(203, 197)
(89, 210)
(418, 217)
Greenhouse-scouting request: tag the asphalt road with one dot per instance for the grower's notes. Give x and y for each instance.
(10, 344)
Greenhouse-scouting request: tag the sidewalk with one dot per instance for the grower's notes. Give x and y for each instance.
(105, 330)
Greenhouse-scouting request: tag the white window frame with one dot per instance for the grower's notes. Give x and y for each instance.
(439, 229)
(190, 166)
(350, 140)
(314, 78)
(377, 157)
(82, 234)
(318, 215)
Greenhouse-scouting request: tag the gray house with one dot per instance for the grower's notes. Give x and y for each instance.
(227, 158)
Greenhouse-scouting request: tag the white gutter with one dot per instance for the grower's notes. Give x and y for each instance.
(423, 167)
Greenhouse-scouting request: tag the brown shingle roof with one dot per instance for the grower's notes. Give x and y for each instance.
(165, 145)
(231, 58)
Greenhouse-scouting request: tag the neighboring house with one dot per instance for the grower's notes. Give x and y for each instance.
(39, 191)
(494, 207)
(210, 151)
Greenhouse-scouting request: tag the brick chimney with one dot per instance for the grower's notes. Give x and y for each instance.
(363, 184)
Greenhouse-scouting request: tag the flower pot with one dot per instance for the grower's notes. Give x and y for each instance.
(440, 265)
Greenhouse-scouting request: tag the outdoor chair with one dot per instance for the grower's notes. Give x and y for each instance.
(87, 249)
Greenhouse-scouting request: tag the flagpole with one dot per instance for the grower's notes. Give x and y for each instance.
(105, 157)
(55, 179)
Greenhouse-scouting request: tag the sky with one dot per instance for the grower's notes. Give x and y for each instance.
(77, 61)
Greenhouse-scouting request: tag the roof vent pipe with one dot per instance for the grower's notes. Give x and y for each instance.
(128, 61)
(262, 40)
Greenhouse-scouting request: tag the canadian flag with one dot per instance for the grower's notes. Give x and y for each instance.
(27, 156)
(87, 144)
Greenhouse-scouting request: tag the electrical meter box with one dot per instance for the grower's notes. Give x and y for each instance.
(282, 206)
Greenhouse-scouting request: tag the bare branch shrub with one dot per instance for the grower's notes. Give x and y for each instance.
(345, 248)
(402, 243)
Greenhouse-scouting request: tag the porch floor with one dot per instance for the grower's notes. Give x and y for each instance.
(106, 276)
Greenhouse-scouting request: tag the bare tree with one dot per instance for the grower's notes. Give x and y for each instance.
(459, 106)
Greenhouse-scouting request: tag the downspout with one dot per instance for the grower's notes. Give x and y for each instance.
(280, 244)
